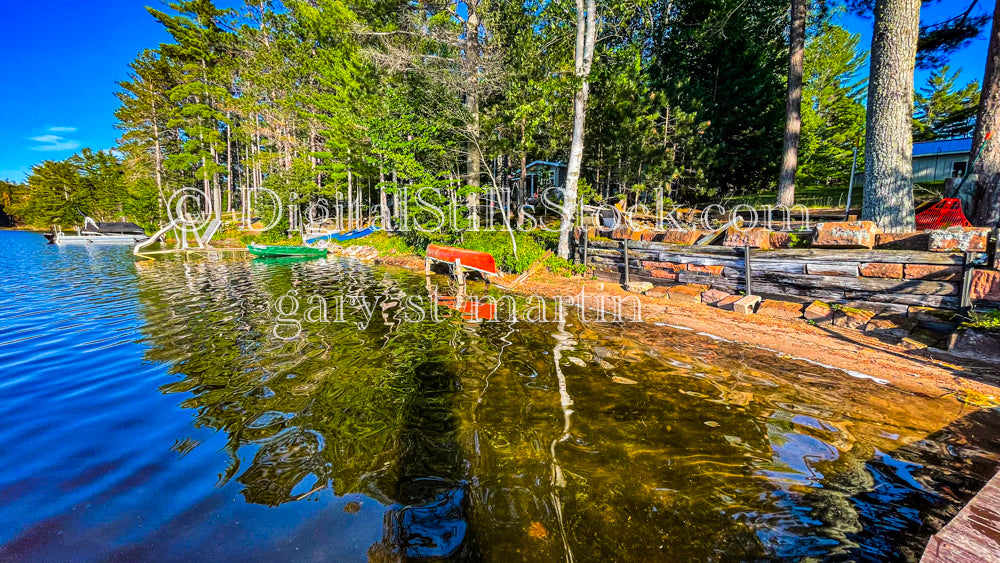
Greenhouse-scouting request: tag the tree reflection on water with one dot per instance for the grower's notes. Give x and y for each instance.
(504, 440)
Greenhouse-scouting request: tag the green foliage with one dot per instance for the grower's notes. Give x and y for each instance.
(833, 116)
(725, 61)
(989, 320)
(12, 195)
(562, 267)
(386, 244)
(373, 100)
(64, 192)
(498, 244)
(943, 112)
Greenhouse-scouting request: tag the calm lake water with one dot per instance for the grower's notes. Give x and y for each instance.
(150, 414)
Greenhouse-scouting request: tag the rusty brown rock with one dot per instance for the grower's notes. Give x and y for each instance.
(932, 272)
(819, 312)
(894, 327)
(959, 239)
(726, 303)
(855, 319)
(780, 309)
(715, 270)
(780, 240)
(639, 287)
(921, 339)
(680, 236)
(669, 266)
(663, 275)
(714, 296)
(985, 285)
(851, 234)
(975, 343)
(881, 270)
(685, 293)
(657, 292)
(756, 237)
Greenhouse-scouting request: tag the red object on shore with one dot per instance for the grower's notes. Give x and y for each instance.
(472, 309)
(945, 213)
(470, 259)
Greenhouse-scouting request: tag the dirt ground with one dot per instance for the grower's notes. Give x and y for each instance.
(932, 372)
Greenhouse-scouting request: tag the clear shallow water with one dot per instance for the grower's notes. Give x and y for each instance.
(149, 413)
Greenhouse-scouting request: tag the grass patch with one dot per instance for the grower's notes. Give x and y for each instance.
(386, 244)
(562, 267)
(529, 249)
(989, 320)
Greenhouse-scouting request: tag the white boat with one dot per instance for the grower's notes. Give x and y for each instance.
(93, 232)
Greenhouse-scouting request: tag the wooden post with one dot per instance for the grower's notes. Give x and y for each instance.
(586, 245)
(427, 265)
(459, 272)
(749, 270)
(625, 246)
(965, 299)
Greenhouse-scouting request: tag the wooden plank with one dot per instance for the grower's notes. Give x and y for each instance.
(974, 533)
(874, 285)
(701, 260)
(936, 301)
(804, 254)
(848, 269)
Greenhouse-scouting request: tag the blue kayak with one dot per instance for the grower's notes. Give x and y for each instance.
(341, 237)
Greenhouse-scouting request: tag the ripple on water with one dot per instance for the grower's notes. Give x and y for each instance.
(150, 414)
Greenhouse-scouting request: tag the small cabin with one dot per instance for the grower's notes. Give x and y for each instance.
(544, 174)
(936, 161)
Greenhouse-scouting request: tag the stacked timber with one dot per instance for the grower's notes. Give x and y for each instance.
(887, 279)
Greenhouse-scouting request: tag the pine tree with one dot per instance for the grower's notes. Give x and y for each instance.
(793, 113)
(833, 116)
(941, 111)
(201, 42)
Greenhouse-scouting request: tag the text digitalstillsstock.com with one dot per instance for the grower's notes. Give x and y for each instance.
(436, 210)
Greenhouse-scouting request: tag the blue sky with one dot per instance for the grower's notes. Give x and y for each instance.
(62, 58)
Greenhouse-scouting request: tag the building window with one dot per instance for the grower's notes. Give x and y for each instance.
(958, 169)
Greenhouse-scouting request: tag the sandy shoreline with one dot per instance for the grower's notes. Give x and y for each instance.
(931, 372)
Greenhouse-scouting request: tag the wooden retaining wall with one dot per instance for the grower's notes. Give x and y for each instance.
(884, 279)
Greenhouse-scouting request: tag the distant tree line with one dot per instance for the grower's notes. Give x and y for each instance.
(349, 99)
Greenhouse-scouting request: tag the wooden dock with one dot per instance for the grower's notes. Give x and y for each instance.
(974, 534)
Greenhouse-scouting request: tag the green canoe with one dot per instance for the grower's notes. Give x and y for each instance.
(276, 251)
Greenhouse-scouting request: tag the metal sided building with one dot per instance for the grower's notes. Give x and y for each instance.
(935, 161)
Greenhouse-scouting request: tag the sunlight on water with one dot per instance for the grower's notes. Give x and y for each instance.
(150, 413)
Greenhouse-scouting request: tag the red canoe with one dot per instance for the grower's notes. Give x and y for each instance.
(471, 259)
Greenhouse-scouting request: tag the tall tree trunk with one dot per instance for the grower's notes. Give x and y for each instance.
(158, 155)
(229, 168)
(888, 200)
(586, 36)
(473, 156)
(522, 188)
(350, 198)
(216, 189)
(383, 200)
(986, 206)
(793, 112)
